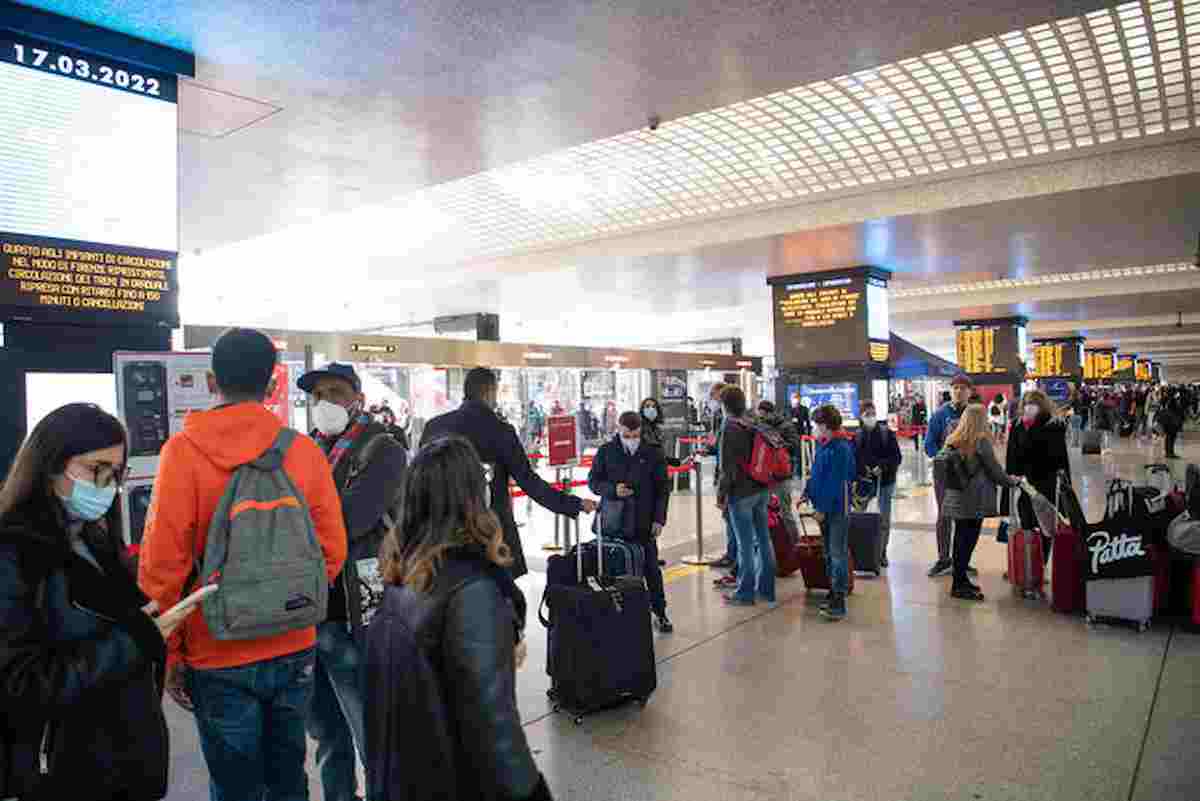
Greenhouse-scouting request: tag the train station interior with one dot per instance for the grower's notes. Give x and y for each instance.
(814, 202)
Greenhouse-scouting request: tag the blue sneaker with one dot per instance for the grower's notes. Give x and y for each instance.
(836, 610)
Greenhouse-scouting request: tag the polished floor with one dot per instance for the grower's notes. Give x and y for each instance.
(916, 697)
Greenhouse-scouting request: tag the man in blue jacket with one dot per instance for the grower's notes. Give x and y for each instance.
(940, 425)
(630, 476)
(833, 469)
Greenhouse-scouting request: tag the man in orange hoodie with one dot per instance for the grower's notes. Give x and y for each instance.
(250, 697)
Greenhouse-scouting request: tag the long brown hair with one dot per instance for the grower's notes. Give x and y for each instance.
(66, 432)
(1039, 399)
(444, 508)
(971, 428)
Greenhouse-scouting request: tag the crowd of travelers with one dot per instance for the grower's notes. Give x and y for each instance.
(412, 621)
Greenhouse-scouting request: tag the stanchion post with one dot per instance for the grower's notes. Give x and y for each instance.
(700, 557)
(557, 545)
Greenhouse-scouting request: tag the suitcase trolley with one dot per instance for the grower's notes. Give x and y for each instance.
(811, 556)
(600, 641)
(1067, 563)
(1026, 568)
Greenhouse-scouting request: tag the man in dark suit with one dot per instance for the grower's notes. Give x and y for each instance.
(500, 449)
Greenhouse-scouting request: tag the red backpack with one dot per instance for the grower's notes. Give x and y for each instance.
(770, 461)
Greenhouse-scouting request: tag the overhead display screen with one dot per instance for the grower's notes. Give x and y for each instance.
(830, 320)
(1098, 365)
(1144, 371)
(88, 185)
(1057, 358)
(844, 397)
(989, 348)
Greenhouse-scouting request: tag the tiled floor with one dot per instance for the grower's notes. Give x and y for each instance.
(916, 697)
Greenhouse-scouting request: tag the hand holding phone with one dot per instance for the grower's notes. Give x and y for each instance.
(168, 621)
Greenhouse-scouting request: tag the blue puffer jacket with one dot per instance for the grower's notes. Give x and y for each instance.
(833, 466)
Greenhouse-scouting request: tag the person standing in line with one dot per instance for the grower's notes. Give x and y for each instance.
(940, 426)
(920, 419)
(250, 697)
(877, 456)
(1037, 451)
(368, 469)
(444, 649)
(630, 477)
(651, 428)
(745, 500)
(81, 656)
(768, 416)
(728, 561)
(1170, 419)
(970, 456)
(500, 449)
(828, 490)
(998, 417)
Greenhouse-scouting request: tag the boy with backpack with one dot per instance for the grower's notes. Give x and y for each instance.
(247, 505)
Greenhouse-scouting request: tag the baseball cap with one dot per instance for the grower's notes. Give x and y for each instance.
(962, 380)
(333, 370)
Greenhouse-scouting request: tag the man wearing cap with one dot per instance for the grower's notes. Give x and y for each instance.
(500, 450)
(940, 426)
(368, 469)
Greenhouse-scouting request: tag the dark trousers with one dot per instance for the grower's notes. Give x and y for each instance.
(1171, 436)
(654, 576)
(966, 536)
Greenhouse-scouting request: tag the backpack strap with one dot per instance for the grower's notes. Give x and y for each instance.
(272, 458)
(363, 458)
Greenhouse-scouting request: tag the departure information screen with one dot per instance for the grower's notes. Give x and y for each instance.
(88, 186)
(988, 348)
(1098, 365)
(830, 320)
(1057, 358)
(1144, 371)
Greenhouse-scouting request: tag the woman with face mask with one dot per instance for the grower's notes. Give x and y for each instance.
(652, 418)
(1037, 450)
(81, 657)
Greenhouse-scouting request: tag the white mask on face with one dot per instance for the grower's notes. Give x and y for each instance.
(330, 418)
(650, 413)
(821, 431)
(631, 445)
(868, 421)
(1032, 411)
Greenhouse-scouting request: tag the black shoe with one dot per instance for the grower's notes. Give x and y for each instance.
(972, 571)
(883, 562)
(967, 592)
(724, 561)
(664, 623)
(940, 568)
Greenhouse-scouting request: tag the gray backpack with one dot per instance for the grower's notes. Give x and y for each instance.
(262, 551)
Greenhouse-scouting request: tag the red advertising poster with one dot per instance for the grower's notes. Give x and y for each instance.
(564, 445)
(277, 401)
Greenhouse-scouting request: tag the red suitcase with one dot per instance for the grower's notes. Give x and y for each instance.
(1067, 577)
(1026, 570)
(811, 554)
(1161, 556)
(788, 555)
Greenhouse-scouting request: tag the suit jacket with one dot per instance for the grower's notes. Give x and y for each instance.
(498, 446)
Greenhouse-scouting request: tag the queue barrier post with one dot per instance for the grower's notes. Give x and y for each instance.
(700, 558)
(922, 460)
(562, 478)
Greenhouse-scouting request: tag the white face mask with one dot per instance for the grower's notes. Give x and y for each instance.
(330, 418)
(650, 413)
(631, 445)
(868, 421)
(822, 431)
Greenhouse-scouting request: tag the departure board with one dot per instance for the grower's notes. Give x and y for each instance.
(88, 187)
(1124, 363)
(1098, 365)
(1144, 371)
(821, 321)
(1048, 359)
(977, 350)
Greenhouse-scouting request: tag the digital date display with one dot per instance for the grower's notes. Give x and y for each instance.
(80, 66)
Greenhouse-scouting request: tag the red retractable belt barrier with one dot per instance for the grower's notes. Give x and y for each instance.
(516, 492)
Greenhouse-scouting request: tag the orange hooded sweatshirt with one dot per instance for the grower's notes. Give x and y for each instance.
(193, 470)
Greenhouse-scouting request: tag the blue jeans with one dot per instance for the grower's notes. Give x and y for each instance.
(756, 557)
(251, 722)
(731, 544)
(835, 531)
(886, 493)
(335, 720)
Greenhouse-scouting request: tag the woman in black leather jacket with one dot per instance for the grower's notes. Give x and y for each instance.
(443, 650)
(81, 660)
(1037, 450)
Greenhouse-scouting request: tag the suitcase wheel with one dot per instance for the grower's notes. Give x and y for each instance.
(1145, 624)
(579, 720)
(1089, 620)
(878, 573)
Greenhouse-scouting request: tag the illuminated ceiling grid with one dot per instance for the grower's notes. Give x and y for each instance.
(1115, 75)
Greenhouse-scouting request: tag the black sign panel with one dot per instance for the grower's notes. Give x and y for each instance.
(1118, 552)
(60, 280)
(821, 321)
(42, 56)
(990, 347)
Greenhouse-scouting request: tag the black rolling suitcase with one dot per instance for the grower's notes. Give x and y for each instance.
(600, 643)
(864, 541)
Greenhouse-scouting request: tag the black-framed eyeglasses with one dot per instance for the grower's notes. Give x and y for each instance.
(106, 475)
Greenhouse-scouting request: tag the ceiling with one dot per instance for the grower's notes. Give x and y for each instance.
(451, 157)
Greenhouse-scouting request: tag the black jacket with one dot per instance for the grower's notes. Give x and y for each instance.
(737, 446)
(365, 497)
(878, 447)
(499, 446)
(646, 472)
(442, 719)
(802, 420)
(1038, 453)
(80, 669)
